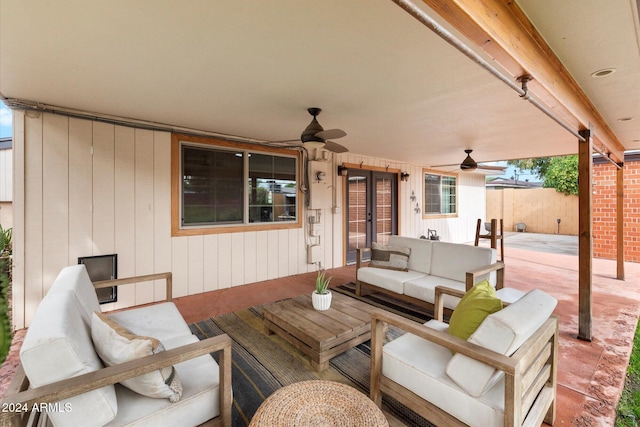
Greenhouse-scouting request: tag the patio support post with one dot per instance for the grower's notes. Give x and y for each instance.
(620, 222)
(585, 235)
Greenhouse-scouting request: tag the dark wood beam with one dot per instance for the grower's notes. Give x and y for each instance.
(585, 235)
(502, 30)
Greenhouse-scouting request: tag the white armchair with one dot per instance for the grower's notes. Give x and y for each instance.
(504, 375)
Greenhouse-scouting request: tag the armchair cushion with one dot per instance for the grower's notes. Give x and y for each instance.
(405, 362)
(115, 344)
(391, 257)
(199, 402)
(503, 332)
(58, 346)
(479, 302)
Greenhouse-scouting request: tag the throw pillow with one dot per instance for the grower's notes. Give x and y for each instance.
(115, 344)
(390, 257)
(479, 302)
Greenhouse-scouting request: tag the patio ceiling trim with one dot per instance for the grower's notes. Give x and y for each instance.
(502, 30)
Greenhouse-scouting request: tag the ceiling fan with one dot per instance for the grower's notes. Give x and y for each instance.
(468, 164)
(315, 136)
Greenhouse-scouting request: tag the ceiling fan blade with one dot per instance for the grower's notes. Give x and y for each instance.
(330, 134)
(335, 147)
(444, 166)
(492, 168)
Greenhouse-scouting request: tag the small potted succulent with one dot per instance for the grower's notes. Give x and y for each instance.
(321, 297)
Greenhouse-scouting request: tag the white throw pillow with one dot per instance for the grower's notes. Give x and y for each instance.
(115, 344)
(503, 332)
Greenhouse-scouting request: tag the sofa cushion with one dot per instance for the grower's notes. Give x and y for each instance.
(479, 302)
(200, 399)
(420, 258)
(391, 257)
(424, 288)
(115, 344)
(76, 279)
(405, 362)
(453, 261)
(392, 280)
(503, 332)
(58, 346)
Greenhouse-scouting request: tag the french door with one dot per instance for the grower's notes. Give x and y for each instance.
(371, 209)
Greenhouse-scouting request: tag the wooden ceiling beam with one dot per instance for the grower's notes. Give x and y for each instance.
(502, 30)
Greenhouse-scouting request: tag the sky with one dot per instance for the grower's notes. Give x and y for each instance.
(5, 121)
(512, 173)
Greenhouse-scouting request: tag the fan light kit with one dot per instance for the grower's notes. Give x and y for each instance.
(314, 136)
(468, 164)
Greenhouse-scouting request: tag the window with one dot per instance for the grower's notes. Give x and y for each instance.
(440, 194)
(220, 186)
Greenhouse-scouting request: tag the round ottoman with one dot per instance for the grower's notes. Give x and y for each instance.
(318, 403)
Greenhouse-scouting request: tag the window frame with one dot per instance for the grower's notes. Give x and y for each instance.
(428, 215)
(177, 229)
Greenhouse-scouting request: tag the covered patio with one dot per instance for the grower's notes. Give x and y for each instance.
(591, 374)
(104, 96)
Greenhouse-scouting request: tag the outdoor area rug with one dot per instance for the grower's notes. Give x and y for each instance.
(262, 364)
(388, 302)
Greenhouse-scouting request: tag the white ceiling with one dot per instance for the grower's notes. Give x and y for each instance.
(251, 68)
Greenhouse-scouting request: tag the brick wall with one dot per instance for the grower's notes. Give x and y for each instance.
(604, 209)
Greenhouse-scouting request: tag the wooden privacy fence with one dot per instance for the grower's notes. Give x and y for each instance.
(538, 208)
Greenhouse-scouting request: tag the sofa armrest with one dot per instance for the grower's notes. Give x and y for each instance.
(20, 396)
(438, 301)
(137, 279)
(498, 267)
(359, 254)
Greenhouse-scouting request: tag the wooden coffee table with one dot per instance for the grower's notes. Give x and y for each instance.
(320, 335)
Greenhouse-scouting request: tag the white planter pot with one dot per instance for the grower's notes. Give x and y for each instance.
(321, 302)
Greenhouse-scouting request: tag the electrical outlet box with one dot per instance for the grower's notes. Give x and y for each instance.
(315, 229)
(320, 189)
(314, 254)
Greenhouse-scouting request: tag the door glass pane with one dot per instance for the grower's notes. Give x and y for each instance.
(357, 220)
(383, 210)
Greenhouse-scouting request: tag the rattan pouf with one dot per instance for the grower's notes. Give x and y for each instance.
(318, 403)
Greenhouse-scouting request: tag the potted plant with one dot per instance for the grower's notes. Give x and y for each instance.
(321, 297)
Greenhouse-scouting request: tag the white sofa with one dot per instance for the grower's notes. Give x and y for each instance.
(432, 263)
(505, 374)
(66, 374)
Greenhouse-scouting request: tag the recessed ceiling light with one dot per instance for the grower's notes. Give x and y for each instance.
(625, 119)
(603, 72)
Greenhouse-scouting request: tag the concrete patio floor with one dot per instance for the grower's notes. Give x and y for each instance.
(590, 374)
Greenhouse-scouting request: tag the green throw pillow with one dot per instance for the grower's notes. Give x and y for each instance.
(475, 305)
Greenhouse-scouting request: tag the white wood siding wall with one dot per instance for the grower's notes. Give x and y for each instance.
(6, 188)
(89, 188)
(6, 173)
(471, 202)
